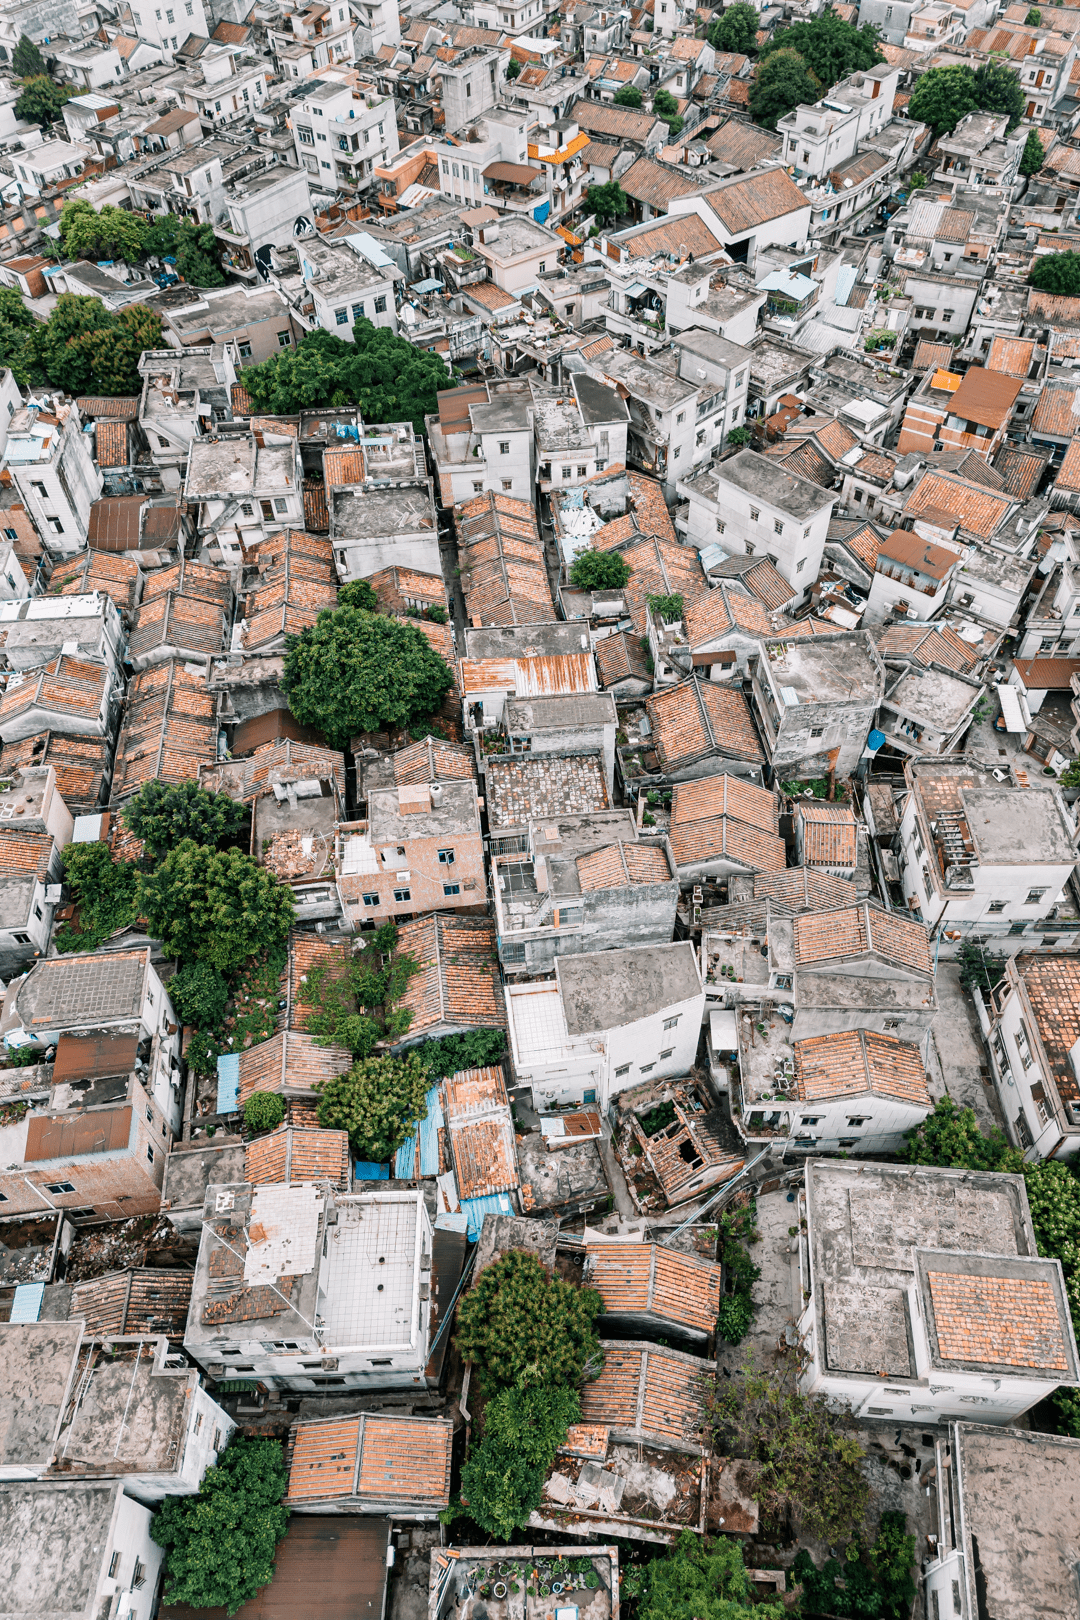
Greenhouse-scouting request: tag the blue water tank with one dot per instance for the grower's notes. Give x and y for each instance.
(875, 740)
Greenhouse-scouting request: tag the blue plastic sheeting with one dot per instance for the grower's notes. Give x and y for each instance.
(429, 1135)
(405, 1160)
(366, 1171)
(228, 1083)
(477, 1208)
(541, 212)
(430, 285)
(26, 1306)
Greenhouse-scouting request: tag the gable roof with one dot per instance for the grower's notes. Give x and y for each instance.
(829, 936)
(697, 718)
(859, 1061)
(458, 982)
(750, 200)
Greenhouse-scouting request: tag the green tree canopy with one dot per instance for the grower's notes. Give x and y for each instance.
(503, 1480)
(599, 571)
(355, 671)
(735, 29)
(830, 48)
(354, 1004)
(378, 1102)
(699, 1578)
(474, 1049)
(810, 1461)
(163, 814)
(942, 97)
(666, 107)
(216, 906)
(1057, 273)
(522, 1327)
(359, 593)
(220, 1544)
(264, 1110)
(41, 101)
(200, 995)
(1031, 158)
(951, 1136)
(105, 894)
(782, 82)
(114, 233)
(27, 60)
(999, 90)
(389, 378)
(608, 201)
(85, 348)
(16, 325)
(628, 96)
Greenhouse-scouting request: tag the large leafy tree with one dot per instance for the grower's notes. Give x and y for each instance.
(200, 995)
(599, 571)
(216, 906)
(666, 107)
(830, 47)
(354, 1005)
(355, 671)
(163, 814)
(1031, 158)
(942, 97)
(951, 1137)
(220, 1544)
(389, 378)
(16, 325)
(41, 101)
(608, 201)
(105, 894)
(85, 348)
(503, 1480)
(524, 1328)
(735, 29)
(698, 1578)
(810, 1463)
(378, 1102)
(114, 233)
(782, 82)
(1057, 273)
(27, 60)
(628, 96)
(998, 90)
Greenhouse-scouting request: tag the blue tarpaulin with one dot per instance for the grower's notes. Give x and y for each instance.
(228, 1083)
(477, 1208)
(366, 1171)
(405, 1160)
(542, 210)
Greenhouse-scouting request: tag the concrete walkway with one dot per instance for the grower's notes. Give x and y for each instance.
(958, 1065)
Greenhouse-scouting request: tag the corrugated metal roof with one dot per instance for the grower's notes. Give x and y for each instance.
(26, 1306)
(477, 1208)
(228, 1083)
(405, 1160)
(429, 1134)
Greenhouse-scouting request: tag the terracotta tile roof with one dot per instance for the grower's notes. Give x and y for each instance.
(618, 123)
(650, 508)
(1046, 674)
(768, 584)
(142, 1299)
(190, 625)
(725, 795)
(859, 1061)
(306, 953)
(1003, 1321)
(230, 33)
(503, 570)
(406, 1459)
(619, 658)
(485, 1160)
(433, 760)
(620, 866)
(684, 235)
(655, 185)
(800, 888)
(540, 786)
(1057, 411)
(660, 568)
(754, 199)
(652, 1393)
(721, 836)
(743, 145)
(296, 584)
(831, 434)
(1052, 987)
(979, 511)
(458, 982)
(111, 444)
(66, 686)
(864, 542)
(829, 836)
(288, 1154)
(80, 763)
(698, 718)
(242, 402)
(1022, 467)
(601, 346)
(113, 573)
(342, 468)
(986, 397)
(116, 410)
(722, 611)
(926, 645)
(614, 533)
(1047, 309)
(931, 356)
(290, 1061)
(636, 1279)
(25, 852)
(488, 294)
(907, 549)
(1011, 355)
(804, 460)
(829, 936)
(316, 511)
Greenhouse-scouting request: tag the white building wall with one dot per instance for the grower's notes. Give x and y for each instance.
(133, 1541)
(795, 548)
(167, 26)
